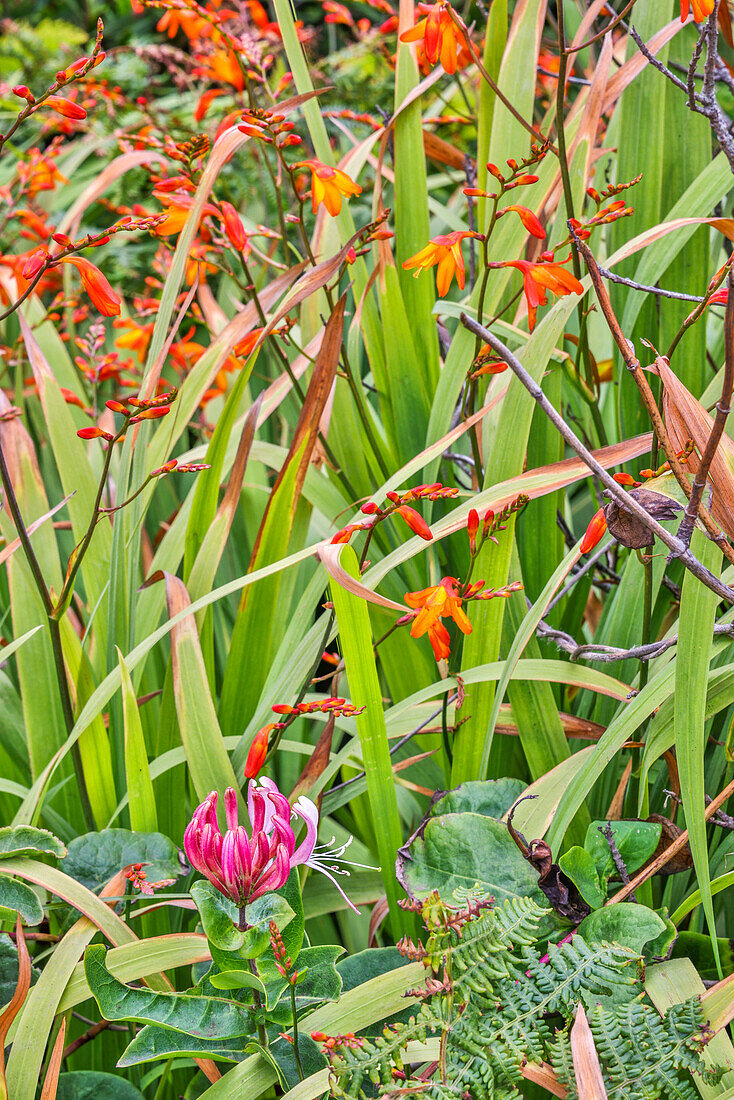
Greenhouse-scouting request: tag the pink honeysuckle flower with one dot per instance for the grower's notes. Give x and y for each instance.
(244, 867)
(325, 858)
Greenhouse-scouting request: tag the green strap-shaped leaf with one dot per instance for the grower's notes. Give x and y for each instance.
(141, 800)
(364, 688)
(695, 627)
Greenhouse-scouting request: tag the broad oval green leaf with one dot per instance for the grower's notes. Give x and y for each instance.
(630, 925)
(466, 853)
(95, 857)
(21, 898)
(24, 840)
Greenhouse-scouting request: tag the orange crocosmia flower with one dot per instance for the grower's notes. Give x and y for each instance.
(701, 9)
(39, 173)
(221, 66)
(445, 251)
(136, 339)
(436, 603)
(442, 40)
(328, 185)
(99, 290)
(177, 207)
(174, 20)
(537, 278)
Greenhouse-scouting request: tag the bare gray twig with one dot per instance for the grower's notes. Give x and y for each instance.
(606, 832)
(674, 544)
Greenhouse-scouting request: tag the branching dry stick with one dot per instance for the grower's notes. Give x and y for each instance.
(606, 654)
(672, 850)
(628, 503)
(722, 412)
(648, 397)
(703, 102)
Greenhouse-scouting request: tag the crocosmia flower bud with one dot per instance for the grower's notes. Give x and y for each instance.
(472, 526)
(258, 751)
(65, 107)
(594, 531)
(415, 521)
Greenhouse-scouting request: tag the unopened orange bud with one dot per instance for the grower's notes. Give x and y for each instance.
(526, 179)
(370, 508)
(529, 220)
(547, 257)
(72, 398)
(487, 523)
(593, 194)
(165, 468)
(233, 227)
(415, 521)
(472, 526)
(258, 751)
(34, 263)
(625, 479)
(94, 433)
(62, 239)
(150, 414)
(647, 473)
(594, 531)
(65, 107)
(23, 92)
(476, 193)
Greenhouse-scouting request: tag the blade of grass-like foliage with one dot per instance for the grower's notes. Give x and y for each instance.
(94, 744)
(10, 547)
(200, 733)
(700, 197)
(141, 800)
(298, 65)
(209, 554)
(259, 612)
(695, 626)
(411, 213)
(206, 494)
(517, 81)
(641, 151)
(39, 690)
(77, 477)
(494, 46)
(723, 882)
(364, 687)
(522, 636)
